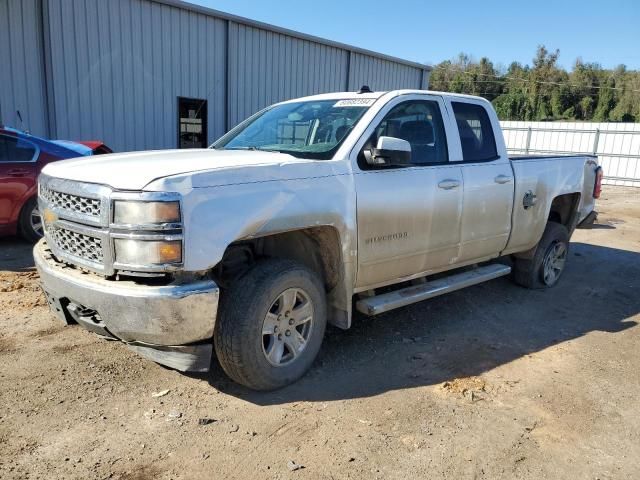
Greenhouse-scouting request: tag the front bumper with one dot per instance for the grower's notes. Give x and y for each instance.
(172, 324)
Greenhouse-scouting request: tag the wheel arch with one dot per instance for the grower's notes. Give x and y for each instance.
(319, 248)
(30, 194)
(563, 209)
(24, 229)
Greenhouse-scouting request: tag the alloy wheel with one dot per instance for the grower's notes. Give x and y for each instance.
(554, 262)
(35, 220)
(287, 326)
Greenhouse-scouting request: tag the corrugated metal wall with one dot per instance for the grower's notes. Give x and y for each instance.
(113, 70)
(268, 67)
(118, 66)
(22, 79)
(382, 74)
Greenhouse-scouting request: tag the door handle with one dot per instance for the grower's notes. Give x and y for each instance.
(18, 172)
(503, 179)
(448, 184)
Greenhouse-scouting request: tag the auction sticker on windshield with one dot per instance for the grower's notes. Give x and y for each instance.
(355, 102)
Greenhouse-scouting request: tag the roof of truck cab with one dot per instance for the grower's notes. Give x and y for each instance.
(376, 95)
(337, 96)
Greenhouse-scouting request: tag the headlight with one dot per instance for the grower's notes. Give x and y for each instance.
(145, 213)
(148, 252)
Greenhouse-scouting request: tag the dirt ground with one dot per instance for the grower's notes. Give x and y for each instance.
(495, 381)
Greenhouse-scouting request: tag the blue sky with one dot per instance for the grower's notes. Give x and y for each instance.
(429, 32)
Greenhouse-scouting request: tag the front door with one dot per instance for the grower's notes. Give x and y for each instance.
(408, 217)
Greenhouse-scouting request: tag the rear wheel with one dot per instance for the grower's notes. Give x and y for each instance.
(30, 221)
(544, 269)
(271, 324)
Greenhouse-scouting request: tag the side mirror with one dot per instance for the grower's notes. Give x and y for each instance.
(389, 151)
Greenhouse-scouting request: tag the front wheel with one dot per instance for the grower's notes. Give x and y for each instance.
(30, 221)
(544, 269)
(271, 324)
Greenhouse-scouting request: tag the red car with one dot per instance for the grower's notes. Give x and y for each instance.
(22, 157)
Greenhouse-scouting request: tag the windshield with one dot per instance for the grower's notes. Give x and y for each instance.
(313, 129)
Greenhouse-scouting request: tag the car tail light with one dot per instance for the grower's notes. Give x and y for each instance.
(597, 188)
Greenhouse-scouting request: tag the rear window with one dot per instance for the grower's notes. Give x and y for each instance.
(476, 133)
(15, 149)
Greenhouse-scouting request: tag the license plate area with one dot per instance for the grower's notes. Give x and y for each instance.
(70, 312)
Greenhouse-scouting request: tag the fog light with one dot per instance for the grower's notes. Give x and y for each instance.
(148, 252)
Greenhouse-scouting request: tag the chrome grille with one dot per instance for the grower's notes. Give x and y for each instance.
(77, 244)
(77, 218)
(74, 203)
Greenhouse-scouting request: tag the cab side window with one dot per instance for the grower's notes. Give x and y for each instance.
(476, 132)
(419, 122)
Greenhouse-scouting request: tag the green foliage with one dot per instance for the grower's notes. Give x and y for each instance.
(545, 91)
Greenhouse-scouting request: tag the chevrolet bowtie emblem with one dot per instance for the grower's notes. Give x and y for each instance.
(49, 216)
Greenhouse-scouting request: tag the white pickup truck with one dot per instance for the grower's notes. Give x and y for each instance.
(304, 210)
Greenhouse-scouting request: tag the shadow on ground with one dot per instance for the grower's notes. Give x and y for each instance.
(461, 334)
(15, 255)
(602, 226)
(465, 333)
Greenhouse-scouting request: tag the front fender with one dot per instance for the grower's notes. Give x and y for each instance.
(215, 217)
(32, 192)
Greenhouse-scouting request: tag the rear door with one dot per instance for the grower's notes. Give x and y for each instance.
(17, 174)
(488, 181)
(409, 216)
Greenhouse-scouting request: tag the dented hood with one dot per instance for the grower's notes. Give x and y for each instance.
(134, 171)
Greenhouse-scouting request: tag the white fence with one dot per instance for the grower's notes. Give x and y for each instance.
(616, 144)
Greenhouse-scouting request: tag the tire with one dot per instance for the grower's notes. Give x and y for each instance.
(255, 317)
(535, 272)
(30, 229)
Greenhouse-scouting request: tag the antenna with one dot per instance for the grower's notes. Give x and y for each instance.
(365, 89)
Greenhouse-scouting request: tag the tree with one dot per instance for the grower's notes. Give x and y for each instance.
(545, 91)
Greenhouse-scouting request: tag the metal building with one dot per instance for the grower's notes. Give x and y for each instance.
(144, 74)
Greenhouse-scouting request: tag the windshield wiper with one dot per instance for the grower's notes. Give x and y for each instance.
(252, 148)
(272, 150)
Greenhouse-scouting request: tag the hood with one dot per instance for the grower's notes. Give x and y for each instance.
(133, 171)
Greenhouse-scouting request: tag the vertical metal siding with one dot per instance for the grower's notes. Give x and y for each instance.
(380, 74)
(425, 79)
(113, 70)
(22, 80)
(118, 68)
(267, 67)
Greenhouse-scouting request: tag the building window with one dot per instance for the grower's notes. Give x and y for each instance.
(192, 123)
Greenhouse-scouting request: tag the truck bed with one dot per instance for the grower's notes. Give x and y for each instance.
(547, 177)
(540, 157)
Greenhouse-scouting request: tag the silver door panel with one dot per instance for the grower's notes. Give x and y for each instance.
(487, 208)
(406, 223)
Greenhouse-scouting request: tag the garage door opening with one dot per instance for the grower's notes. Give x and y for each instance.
(192, 123)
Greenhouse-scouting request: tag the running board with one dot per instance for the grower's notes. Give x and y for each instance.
(416, 293)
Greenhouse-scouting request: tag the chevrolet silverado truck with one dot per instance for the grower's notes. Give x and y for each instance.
(306, 210)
